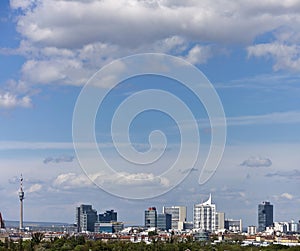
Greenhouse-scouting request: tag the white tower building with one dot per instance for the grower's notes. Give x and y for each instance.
(205, 216)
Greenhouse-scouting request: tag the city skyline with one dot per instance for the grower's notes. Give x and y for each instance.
(211, 222)
(250, 54)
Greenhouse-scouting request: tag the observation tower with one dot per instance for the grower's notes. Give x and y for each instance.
(21, 197)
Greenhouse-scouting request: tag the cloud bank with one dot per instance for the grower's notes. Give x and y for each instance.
(65, 42)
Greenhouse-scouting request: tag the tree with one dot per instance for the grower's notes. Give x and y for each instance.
(36, 238)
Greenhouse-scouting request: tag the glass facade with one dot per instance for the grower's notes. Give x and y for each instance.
(108, 216)
(86, 217)
(151, 217)
(265, 216)
(164, 221)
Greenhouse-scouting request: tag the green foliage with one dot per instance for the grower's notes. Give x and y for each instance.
(79, 243)
(152, 233)
(37, 237)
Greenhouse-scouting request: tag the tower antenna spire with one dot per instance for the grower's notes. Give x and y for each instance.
(21, 197)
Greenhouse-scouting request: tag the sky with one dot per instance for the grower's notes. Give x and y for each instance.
(49, 50)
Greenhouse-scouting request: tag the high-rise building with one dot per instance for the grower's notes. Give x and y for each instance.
(86, 217)
(108, 216)
(151, 217)
(205, 215)
(178, 215)
(164, 221)
(108, 223)
(265, 216)
(220, 220)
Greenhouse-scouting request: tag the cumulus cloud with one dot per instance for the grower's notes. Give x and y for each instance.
(287, 196)
(283, 196)
(22, 4)
(285, 56)
(72, 180)
(72, 23)
(10, 100)
(198, 54)
(59, 159)
(34, 188)
(257, 162)
(65, 42)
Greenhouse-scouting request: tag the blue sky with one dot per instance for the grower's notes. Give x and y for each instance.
(249, 52)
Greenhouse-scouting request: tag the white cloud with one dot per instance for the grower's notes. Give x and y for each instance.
(195, 20)
(284, 197)
(285, 56)
(198, 54)
(72, 180)
(65, 42)
(34, 188)
(287, 196)
(257, 162)
(134, 179)
(10, 100)
(23, 4)
(122, 179)
(66, 71)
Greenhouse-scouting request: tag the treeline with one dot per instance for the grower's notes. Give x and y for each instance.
(79, 243)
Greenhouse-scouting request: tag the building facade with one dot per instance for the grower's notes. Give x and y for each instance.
(108, 216)
(108, 227)
(251, 230)
(178, 216)
(164, 221)
(86, 218)
(282, 227)
(233, 225)
(220, 220)
(205, 216)
(294, 227)
(151, 217)
(265, 216)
